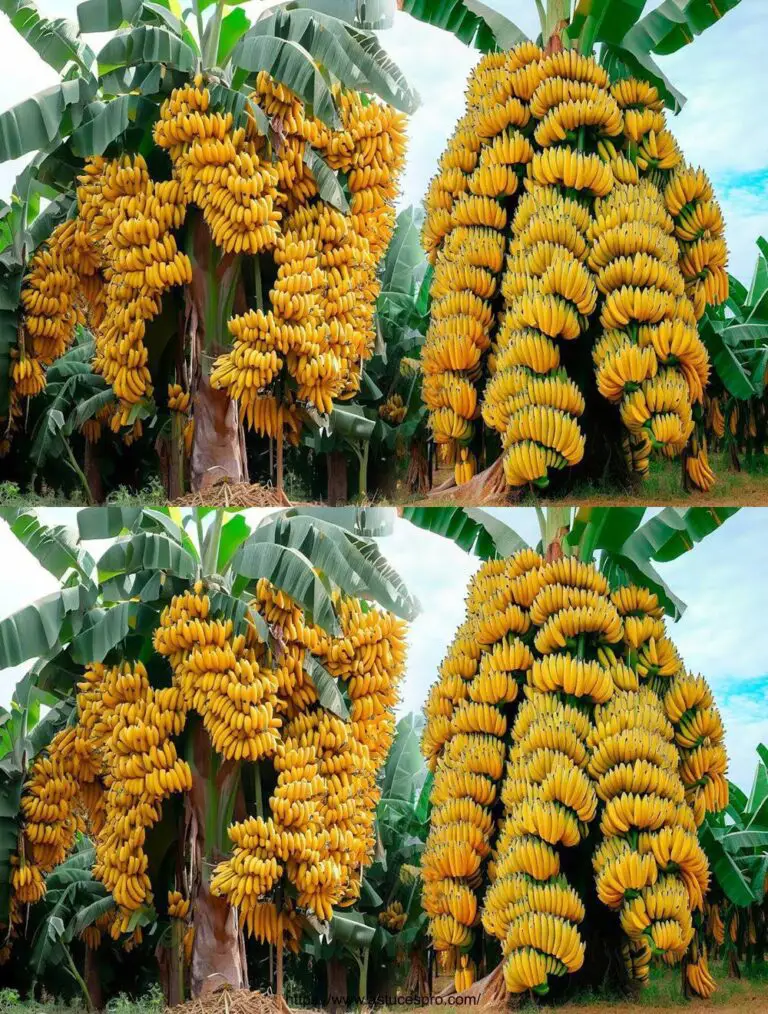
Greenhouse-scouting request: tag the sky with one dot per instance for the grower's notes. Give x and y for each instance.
(724, 582)
(723, 75)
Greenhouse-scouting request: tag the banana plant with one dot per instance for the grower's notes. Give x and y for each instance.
(376, 945)
(628, 542)
(387, 417)
(736, 336)
(107, 610)
(107, 102)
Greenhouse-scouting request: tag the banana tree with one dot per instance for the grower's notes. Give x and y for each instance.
(387, 416)
(107, 104)
(736, 844)
(107, 610)
(736, 336)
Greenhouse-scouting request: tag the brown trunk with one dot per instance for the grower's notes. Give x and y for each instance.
(487, 487)
(489, 993)
(92, 978)
(218, 955)
(93, 473)
(417, 479)
(214, 295)
(336, 971)
(338, 490)
(217, 450)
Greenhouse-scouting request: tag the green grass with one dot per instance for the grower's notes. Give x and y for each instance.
(151, 1003)
(152, 495)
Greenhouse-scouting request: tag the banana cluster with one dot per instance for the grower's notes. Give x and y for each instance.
(649, 866)
(220, 676)
(142, 769)
(609, 227)
(178, 905)
(467, 213)
(649, 358)
(220, 170)
(464, 742)
(130, 220)
(180, 402)
(610, 737)
(320, 832)
(393, 917)
(699, 736)
(393, 410)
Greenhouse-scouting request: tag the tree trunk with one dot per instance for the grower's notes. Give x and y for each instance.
(93, 473)
(338, 490)
(487, 487)
(214, 295)
(336, 972)
(218, 956)
(489, 993)
(92, 978)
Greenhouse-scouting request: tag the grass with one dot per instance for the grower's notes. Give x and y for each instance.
(152, 495)
(151, 1003)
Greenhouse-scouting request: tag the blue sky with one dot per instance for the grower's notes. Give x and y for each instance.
(724, 582)
(723, 76)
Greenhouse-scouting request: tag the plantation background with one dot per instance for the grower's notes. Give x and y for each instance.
(724, 584)
(714, 128)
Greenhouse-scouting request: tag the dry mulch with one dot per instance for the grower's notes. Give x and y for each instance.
(232, 1001)
(237, 494)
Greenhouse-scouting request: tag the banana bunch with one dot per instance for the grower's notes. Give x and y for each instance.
(649, 865)
(697, 972)
(464, 237)
(609, 223)
(465, 974)
(141, 770)
(219, 676)
(49, 296)
(393, 917)
(610, 732)
(393, 410)
(464, 742)
(178, 905)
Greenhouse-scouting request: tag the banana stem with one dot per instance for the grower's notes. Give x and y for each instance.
(77, 977)
(213, 542)
(78, 471)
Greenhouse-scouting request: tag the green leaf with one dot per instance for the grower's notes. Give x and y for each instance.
(228, 100)
(676, 23)
(328, 692)
(88, 915)
(327, 181)
(288, 63)
(351, 56)
(466, 21)
(106, 15)
(373, 15)
(353, 563)
(404, 263)
(54, 547)
(727, 366)
(405, 771)
(351, 928)
(56, 42)
(107, 522)
(234, 532)
(233, 27)
(146, 44)
(108, 627)
(673, 532)
(42, 119)
(350, 422)
(289, 570)
(36, 628)
(105, 122)
(728, 875)
(470, 533)
(147, 551)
